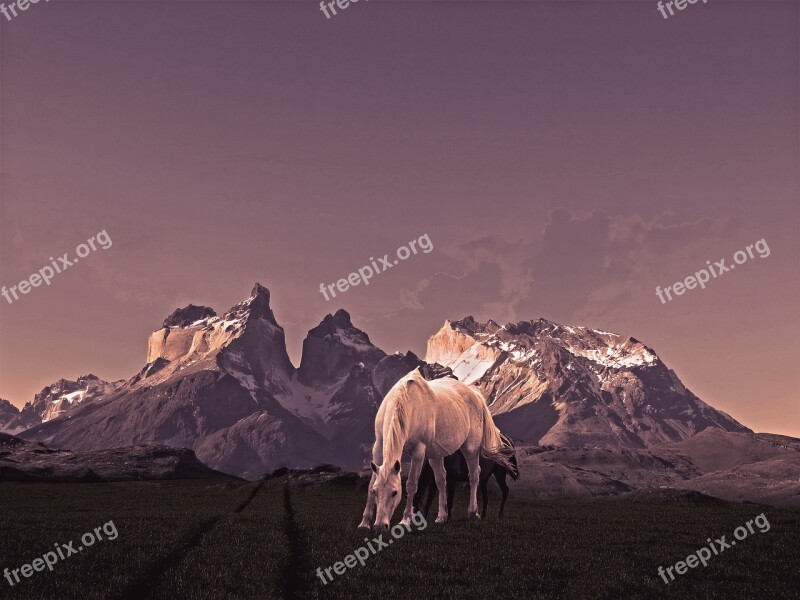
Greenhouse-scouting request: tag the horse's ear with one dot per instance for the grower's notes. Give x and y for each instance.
(397, 466)
(374, 467)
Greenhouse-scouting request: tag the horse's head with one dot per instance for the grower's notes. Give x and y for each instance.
(386, 491)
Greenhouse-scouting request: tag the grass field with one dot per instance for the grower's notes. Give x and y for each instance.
(194, 540)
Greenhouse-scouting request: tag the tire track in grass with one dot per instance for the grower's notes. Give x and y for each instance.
(250, 498)
(145, 586)
(297, 566)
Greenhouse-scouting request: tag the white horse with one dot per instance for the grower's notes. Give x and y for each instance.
(431, 419)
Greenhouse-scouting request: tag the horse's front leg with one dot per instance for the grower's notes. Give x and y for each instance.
(369, 509)
(473, 463)
(441, 482)
(417, 460)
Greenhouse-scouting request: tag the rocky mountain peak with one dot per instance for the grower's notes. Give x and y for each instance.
(333, 323)
(341, 319)
(183, 317)
(13, 420)
(63, 396)
(472, 327)
(333, 347)
(526, 328)
(255, 307)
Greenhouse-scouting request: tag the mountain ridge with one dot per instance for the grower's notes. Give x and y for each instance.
(225, 387)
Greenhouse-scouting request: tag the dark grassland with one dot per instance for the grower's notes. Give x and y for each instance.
(198, 540)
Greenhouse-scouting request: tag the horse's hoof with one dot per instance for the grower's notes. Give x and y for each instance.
(474, 517)
(364, 525)
(441, 519)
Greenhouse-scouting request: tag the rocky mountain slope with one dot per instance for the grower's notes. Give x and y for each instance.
(21, 460)
(53, 401)
(61, 397)
(728, 465)
(573, 386)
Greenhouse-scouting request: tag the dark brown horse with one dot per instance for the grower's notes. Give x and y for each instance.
(457, 471)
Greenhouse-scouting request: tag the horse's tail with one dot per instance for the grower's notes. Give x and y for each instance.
(508, 445)
(495, 446)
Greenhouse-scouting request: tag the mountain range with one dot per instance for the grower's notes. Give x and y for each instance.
(571, 386)
(224, 387)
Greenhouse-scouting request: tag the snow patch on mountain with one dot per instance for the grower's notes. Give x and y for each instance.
(311, 403)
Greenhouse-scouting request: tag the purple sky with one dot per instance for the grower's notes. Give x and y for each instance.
(564, 158)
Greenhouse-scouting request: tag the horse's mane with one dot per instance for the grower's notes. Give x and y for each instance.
(394, 442)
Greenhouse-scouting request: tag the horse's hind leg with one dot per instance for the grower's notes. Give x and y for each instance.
(451, 492)
(431, 495)
(473, 463)
(426, 492)
(424, 489)
(441, 482)
(501, 481)
(484, 495)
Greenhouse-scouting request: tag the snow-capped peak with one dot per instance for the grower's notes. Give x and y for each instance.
(567, 385)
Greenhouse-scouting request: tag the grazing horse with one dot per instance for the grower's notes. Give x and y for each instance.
(456, 468)
(431, 420)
